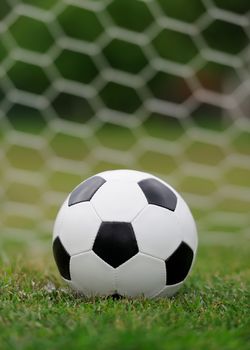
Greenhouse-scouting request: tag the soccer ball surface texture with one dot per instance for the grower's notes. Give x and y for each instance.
(124, 232)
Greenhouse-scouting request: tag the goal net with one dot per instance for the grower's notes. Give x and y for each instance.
(155, 85)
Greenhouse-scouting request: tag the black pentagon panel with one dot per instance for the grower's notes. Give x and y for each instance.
(158, 194)
(116, 296)
(85, 191)
(179, 263)
(62, 258)
(115, 243)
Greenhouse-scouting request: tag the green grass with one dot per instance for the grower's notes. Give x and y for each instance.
(212, 311)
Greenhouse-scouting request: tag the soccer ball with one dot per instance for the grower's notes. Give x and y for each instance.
(127, 233)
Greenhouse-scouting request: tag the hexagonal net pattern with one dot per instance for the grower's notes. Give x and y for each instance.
(147, 84)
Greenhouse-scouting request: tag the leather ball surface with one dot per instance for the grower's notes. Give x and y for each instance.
(124, 232)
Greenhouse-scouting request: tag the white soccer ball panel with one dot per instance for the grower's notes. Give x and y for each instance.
(59, 218)
(116, 201)
(169, 291)
(157, 232)
(184, 217)
(91, 276)
(124, 175)
(78, 229)
(142, 275)
(187, 223)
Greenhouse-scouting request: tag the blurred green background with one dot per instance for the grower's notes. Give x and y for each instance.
(86, 87)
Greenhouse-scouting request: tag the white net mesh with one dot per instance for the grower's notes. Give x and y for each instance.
(151, 85)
